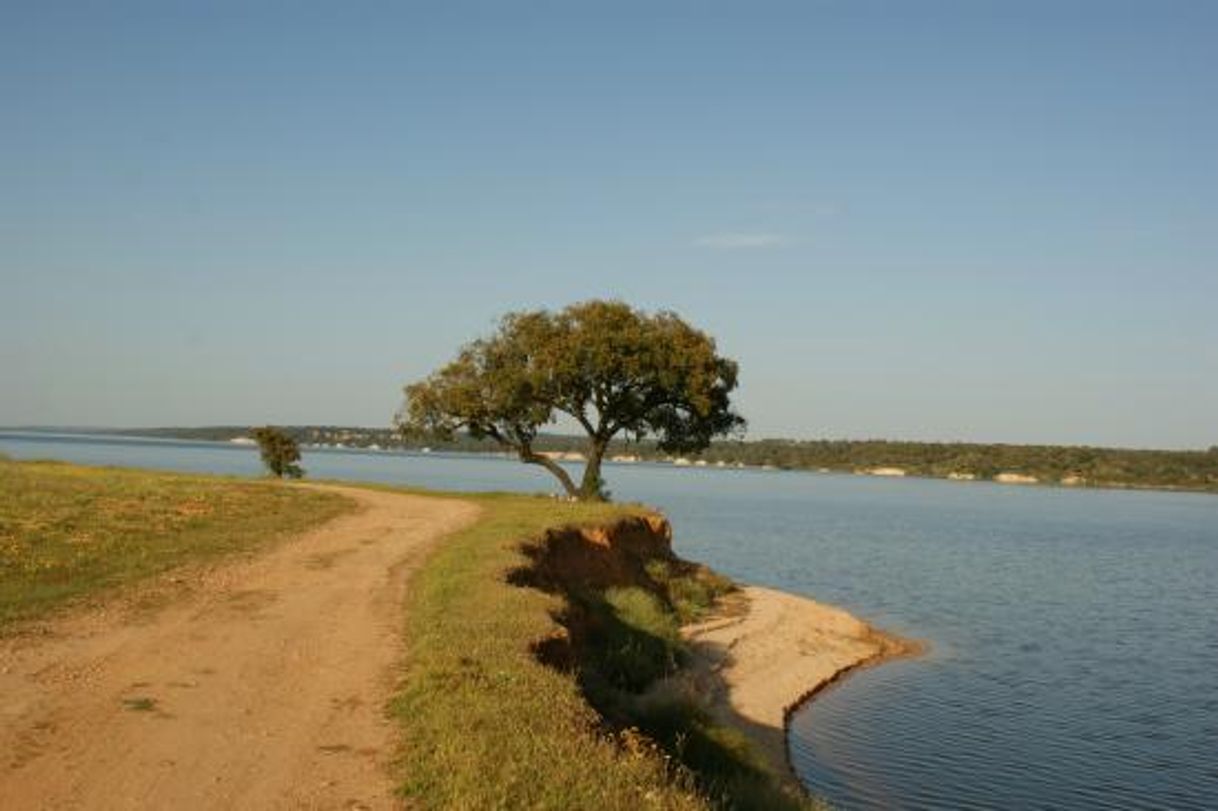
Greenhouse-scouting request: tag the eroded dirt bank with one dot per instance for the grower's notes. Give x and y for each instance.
(755, 659)
(257, 684)
(769, 651)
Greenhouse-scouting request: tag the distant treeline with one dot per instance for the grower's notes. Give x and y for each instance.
(1050, 464)
(1046, 463)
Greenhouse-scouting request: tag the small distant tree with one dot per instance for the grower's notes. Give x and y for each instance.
(280, 453)
(610, 368)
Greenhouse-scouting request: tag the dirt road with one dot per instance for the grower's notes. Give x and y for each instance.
(257, 684)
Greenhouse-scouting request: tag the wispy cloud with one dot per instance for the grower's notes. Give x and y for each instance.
(741, 239)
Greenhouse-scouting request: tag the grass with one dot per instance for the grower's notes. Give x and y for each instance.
(485, 723)
(488, 725)
(68, 532)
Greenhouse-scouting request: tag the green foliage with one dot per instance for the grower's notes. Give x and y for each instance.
(68, 531)
(691, 589)
(632, 637)
(280, 453)
(643, 611)
(613, 369)
(1050, 464)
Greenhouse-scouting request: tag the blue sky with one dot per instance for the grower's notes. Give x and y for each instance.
(923, 220)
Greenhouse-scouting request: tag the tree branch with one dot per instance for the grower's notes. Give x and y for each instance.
(582, 419)
(528, 456)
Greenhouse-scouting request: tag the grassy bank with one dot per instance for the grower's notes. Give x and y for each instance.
(68, 531)
(604, 725)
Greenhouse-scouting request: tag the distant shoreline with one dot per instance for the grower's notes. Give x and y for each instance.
(1018, 465)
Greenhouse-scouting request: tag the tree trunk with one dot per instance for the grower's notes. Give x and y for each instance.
(592, 486)
(531, 458)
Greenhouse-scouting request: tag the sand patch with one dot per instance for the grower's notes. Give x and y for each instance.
(767, 651)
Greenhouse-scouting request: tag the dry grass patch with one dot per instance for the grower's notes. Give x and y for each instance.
(68, 531)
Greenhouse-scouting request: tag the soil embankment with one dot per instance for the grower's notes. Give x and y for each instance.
(752, 658)
(257, 684)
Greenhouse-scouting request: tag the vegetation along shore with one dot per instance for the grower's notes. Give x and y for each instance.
(549, 654)
(1068, 465)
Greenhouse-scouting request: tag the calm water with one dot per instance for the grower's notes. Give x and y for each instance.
(1074, 634)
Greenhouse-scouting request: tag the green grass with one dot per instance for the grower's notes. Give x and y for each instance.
(488, 725)
(68, 532)
(691, 590)
(485, 725)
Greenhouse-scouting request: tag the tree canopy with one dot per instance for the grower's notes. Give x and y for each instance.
(610, 368)
(280, 453)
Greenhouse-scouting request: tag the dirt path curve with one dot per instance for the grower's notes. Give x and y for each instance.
(258, 684)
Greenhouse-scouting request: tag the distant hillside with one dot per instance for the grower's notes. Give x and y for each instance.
(1044, 464)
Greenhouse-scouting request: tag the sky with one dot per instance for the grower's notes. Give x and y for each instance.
(974, 220)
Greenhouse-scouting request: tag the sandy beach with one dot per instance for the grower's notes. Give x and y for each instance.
(767, 652)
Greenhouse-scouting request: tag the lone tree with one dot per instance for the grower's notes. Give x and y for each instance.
(612, 369)
(280, 453)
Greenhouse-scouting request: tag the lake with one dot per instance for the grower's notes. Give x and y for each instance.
(1073, 633)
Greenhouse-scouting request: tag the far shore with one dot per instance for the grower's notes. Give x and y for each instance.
(769, 652)
(1066, 466)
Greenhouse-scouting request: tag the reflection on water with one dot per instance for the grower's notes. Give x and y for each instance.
(1074, 633)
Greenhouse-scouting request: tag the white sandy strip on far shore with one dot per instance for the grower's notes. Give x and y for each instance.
(769, 651)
